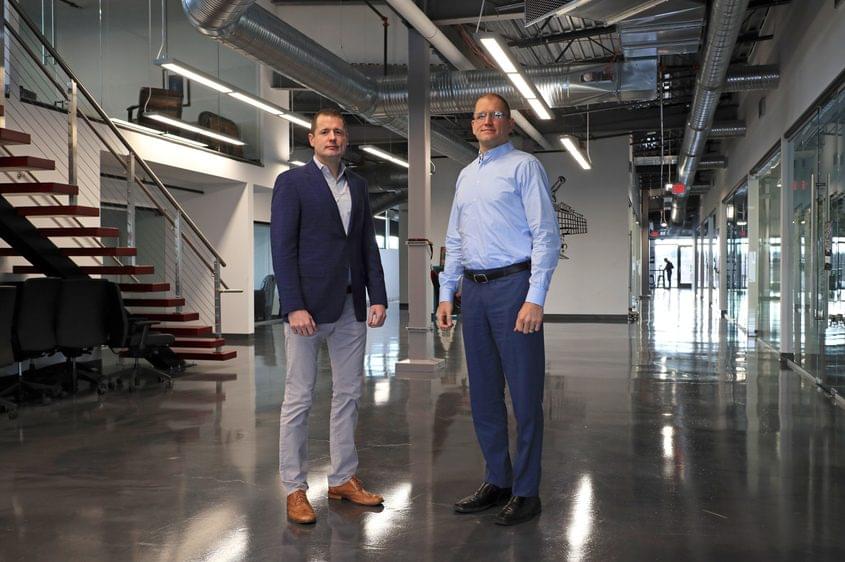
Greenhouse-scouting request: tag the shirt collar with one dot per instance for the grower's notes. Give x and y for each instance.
(495, 152)
(325, 169)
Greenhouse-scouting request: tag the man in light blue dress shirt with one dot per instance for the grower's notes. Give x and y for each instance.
(503, 240)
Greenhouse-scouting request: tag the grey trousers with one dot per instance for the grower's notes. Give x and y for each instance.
(346, 340)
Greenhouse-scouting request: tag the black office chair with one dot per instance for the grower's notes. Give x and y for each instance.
(82, 324)
(265, 298)
(34, 332)
(7, 356)
(132, 334)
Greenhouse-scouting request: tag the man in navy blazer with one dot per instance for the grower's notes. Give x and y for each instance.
(325, 256)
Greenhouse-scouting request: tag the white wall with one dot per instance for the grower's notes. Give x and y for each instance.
(595, 278)
(808, 46)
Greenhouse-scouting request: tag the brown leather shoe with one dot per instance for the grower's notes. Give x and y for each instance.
(299, 508)
(352, 490)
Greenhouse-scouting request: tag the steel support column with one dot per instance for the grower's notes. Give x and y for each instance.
(420, 359)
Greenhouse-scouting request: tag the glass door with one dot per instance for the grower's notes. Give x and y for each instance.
(768, 263)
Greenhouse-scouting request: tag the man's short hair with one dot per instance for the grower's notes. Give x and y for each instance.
(498, 97)
(328, 112)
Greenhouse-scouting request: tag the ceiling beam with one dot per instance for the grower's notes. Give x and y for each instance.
(562, 37)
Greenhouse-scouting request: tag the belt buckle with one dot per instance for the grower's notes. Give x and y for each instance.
(480, 277)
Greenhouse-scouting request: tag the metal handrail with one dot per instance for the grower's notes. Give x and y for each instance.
(108, 122)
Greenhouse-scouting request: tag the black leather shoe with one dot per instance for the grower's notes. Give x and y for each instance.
(485, 497)
(519, 510)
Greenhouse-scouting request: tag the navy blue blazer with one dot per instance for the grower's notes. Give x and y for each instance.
(311, 251)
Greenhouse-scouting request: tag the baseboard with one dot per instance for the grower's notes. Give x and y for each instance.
(585, 318)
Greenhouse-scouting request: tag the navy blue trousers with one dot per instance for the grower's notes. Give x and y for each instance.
(495, 355)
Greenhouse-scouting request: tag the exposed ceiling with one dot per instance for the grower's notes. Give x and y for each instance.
(672, 30)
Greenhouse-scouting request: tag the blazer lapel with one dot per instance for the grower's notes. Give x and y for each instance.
(327, 194)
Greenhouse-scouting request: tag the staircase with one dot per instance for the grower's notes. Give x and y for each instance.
(153, 300)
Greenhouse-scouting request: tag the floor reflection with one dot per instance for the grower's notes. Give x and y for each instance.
(673, 438)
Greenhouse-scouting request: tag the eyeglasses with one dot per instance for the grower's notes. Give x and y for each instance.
(496, 115)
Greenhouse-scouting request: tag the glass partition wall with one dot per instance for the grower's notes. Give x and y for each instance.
(111, 45)
(736, 260)
(768, 180)
(818, 239)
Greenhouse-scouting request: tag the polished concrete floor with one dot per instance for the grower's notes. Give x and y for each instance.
(671, 439)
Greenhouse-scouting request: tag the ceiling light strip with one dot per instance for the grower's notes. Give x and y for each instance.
(526, 88)
(571, 146)
(384, 155)
(179, 67)
(194, 129)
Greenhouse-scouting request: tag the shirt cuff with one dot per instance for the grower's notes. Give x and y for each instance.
(536, 295)
(446, 294)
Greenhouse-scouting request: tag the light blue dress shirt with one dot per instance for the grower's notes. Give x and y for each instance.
(502, 214)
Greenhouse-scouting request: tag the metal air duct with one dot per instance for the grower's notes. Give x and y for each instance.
(725, 21)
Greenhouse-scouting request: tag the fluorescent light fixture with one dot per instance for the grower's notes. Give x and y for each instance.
(502, 58)
(301, 121)
(156, 133)
(572, 148)
(569, 7)
(196, 75)
(539, 109)
(177, 138)
(194, 129)
(521, 85)
(730, 212)
(500, 53)
(296, 163)
(669, 186)
(664, 224)
(264, 106)
(741, 223)
(632, 11)
(384, 155)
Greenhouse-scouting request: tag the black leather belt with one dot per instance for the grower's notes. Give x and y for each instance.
(485, 275)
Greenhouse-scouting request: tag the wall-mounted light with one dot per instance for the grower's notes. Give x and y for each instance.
(194, 129)
(501, 55)
(571, 145)
(384, 155)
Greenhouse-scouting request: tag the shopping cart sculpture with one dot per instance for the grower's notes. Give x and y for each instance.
(570, 221)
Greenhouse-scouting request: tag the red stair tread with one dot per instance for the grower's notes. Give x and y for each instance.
(184, 330)
(99, 231)
(144, 287)
(207, 355)
(13, 163)
(11, 136)
(201, 343)
(58, 210)
(96, 252)
(170, 301)
(97, 269)
(38, 187)
(169, 316)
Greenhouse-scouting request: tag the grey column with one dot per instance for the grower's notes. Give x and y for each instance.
(645, 264)
(787, 280)
(723, 261)
(420, 341)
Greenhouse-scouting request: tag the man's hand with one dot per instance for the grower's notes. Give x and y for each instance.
(444, 315)
(301, 323)
(377, 316)
(529, 319)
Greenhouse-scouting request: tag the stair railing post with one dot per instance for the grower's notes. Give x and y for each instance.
(3, 59)
(71, 139)
(177, 277)
(130, 206)
(218, 289)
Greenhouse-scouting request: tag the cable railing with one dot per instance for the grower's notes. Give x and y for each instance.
(41, 82)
